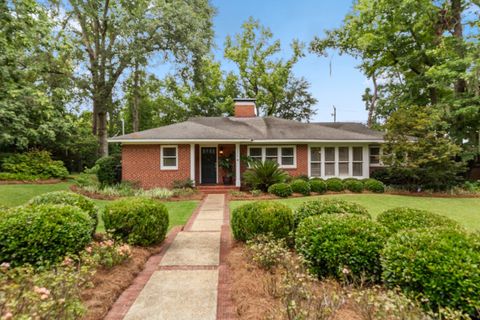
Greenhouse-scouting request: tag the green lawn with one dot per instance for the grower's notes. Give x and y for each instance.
(464, 210)
(15, 195)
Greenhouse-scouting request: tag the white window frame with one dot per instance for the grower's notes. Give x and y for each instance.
(356, 161)
(380, 154)
(279, 154)
(365, 161)
(348, 162)
(163, 167)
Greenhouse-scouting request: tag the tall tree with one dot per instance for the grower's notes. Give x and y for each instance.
(265, 77)
(113, 36)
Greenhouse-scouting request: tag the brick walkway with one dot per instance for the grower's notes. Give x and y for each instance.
(183, 282)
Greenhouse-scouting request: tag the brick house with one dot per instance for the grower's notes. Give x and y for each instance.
(192, 149)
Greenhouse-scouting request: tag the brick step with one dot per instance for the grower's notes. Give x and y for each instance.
(218, 189)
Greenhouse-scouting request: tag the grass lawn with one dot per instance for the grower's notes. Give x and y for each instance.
(18, 194)
(464, 210)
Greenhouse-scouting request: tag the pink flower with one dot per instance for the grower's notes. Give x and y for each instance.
(345, 271)
(5, 265)
(7, 316)
(44, 292)
(109, 243)
(44, 296)
(67, 261)
(89, 249)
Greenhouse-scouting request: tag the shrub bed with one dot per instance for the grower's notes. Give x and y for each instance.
(335, 184)
(258, 218)
(301, 186)
(374, 185)
(280, 189)
(138, 221)
(33, 165)
(342, 246)
(353, 185)
(328, 206)
(439, 265)
(318, 186)
(43, 234)
(407, 218)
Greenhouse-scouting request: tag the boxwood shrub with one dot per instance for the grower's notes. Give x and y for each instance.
(439, 265)
(138, 221)
(335, 184)
(280, 189)
(398, 219)
(43, 234)
(374, 185)
(328, 206)
(342, 246)
(263, 217)
(109, 170)
(353, 185)
(318, 185)
(70, 198)
(301, 186)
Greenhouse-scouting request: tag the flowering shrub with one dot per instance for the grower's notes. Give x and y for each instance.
(267, 251)
(28, 293)
(108, 253)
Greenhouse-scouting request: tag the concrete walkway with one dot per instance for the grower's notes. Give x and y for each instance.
(185, 285)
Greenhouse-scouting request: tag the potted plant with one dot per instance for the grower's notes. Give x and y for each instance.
(226, 163)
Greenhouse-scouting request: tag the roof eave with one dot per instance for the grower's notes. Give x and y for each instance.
(156, 141)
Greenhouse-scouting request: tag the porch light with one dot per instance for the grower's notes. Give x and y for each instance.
(221, 150)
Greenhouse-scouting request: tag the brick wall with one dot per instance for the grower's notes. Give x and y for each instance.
(141, 164)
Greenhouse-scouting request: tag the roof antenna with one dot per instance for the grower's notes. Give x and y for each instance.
(334, 114)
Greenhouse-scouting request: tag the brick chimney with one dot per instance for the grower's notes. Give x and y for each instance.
(245, 108)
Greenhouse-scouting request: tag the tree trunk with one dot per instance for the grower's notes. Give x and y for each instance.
(460, 84)
(102, 134)
(136, 100)
(373, 102)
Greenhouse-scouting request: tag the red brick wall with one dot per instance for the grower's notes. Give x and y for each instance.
(244, 110)
(141, 164)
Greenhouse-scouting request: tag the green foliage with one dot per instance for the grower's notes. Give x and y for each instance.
(328, 206)
(138, 221)
(318, 186)
(261, 175)
(374, 186)
(108, 253)
(34, 164)
(183, 184)
(335, 184)
(301, 186)
(353, 185)
(257, 218)
(43, 234)
(109, 170)
(399, 219)
(341, 246)
(280, 189)
(439, 266)
(68, 198)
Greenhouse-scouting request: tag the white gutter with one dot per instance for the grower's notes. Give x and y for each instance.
(157, 141)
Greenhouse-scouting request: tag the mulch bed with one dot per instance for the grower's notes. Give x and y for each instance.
(47, 181)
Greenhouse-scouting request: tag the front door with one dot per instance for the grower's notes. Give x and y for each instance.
(209, 165)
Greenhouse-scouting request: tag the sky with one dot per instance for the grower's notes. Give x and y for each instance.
(302, 20)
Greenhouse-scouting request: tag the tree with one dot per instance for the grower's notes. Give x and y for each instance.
(265, 78)
(112, 36)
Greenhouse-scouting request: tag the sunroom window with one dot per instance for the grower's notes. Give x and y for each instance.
(329, 161)
(357, 161)
(343, 160)
(285, 156)
(316, 161)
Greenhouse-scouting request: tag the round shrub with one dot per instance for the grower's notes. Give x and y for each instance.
(354, 185)
(280, 189)
(138, 221)
(438, 264)
(406, 218)
(70, 198)
(342, 246)
(43, 234)
(374, 185)
(318, 186)
(335, 184)
(328, 206)
(109, 170)
(301, 186)
(257, 218)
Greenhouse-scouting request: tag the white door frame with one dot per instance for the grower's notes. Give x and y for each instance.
(200, 159)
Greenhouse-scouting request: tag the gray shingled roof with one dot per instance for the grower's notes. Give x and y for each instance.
(257, 128)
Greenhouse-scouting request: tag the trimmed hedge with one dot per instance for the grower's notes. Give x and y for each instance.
(43, 234)
(335, 184)
(300, 186)
(265, 217)
(33, 165)
(328, 206)
(353, 185)
(399, 219)
(342, 246)
(70, 198)
(138, 221)
(280, 189)
(437, 264)
(109, 170)
(318, 185)
(374, 185)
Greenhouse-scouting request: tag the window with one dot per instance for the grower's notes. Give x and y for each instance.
(357, 161)
(316, 161)
(343, 161)
(285, 156)
(329, 161)
(169, 159)
(375, 155)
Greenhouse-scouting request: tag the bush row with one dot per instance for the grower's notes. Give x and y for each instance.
(33, 165)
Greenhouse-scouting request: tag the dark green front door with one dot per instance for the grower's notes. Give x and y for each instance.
(209, 165)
